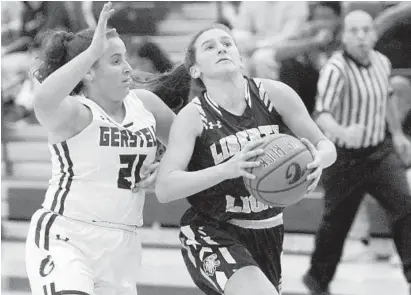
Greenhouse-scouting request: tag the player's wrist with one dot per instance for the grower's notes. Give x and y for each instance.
(93, 53)
(221, 171)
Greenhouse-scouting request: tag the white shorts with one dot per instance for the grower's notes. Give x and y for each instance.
(65, 256)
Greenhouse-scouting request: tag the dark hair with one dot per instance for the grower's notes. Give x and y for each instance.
(60, 47)
(177, 88)
(157, 56)
(333, 5)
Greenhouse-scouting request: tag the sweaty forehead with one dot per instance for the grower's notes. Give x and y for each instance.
(213, 34)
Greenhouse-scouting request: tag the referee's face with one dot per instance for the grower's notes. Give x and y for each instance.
(359, 35)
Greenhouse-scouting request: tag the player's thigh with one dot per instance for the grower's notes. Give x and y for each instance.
(117, 273)
(56, 265)
(249, 280)
(266, 246)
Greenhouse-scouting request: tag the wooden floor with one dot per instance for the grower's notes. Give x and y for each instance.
(163, 273)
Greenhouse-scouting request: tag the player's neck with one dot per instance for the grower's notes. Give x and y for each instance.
(228, 93)
(115, 109)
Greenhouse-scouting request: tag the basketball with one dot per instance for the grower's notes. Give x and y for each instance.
(281, 178)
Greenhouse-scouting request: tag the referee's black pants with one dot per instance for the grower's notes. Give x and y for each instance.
(378, 171)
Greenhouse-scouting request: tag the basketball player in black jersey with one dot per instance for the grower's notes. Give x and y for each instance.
(232, 244)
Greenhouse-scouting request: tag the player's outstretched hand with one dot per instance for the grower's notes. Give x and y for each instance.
(314, 177)
(148, 176)
(100, 42)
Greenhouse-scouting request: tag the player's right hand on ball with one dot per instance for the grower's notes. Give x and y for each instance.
(100, 43)
(237, 165)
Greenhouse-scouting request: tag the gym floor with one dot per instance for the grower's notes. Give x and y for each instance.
(163, 271)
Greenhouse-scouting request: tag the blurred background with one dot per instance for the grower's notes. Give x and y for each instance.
(301, 36)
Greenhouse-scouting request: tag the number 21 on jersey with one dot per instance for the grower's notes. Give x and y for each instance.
(129, 174)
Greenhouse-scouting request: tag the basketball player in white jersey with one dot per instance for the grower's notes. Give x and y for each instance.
(102, 138)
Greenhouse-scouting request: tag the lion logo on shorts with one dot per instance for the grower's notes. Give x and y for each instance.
(210, 264)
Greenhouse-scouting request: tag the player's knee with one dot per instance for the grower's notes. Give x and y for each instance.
(249, 280)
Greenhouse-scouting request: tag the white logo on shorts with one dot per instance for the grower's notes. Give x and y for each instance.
(210, 264)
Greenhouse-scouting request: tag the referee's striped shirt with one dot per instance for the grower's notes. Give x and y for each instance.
(354, 93)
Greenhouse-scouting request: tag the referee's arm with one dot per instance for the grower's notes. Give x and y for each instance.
(393, 113)
(402, 144)
(329, 89)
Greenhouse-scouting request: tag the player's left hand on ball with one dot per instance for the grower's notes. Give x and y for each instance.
(314, 177)
(148, 176)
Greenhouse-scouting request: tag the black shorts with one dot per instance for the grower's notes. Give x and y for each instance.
(213, 251)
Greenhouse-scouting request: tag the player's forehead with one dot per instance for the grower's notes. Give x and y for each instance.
(212, 35)
(115, 46)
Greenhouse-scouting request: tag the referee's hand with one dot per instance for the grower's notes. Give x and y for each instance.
(402, 146)
(353, 135)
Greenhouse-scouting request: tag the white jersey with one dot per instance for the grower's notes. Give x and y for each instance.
(94, 171)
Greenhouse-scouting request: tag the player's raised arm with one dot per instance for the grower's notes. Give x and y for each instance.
(52, 105)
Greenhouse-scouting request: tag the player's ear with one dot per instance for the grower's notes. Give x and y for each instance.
(89, 77)
(194, 72)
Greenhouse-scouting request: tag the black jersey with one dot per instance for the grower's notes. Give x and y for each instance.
(225, 134)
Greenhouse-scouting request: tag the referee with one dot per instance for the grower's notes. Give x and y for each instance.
(352, 107)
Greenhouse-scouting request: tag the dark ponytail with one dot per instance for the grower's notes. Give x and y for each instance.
(60, 47)
(55, 53)
(172, 87)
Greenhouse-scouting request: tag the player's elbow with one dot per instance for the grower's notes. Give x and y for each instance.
(170, 185)
(163, 190)
(43, 101)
